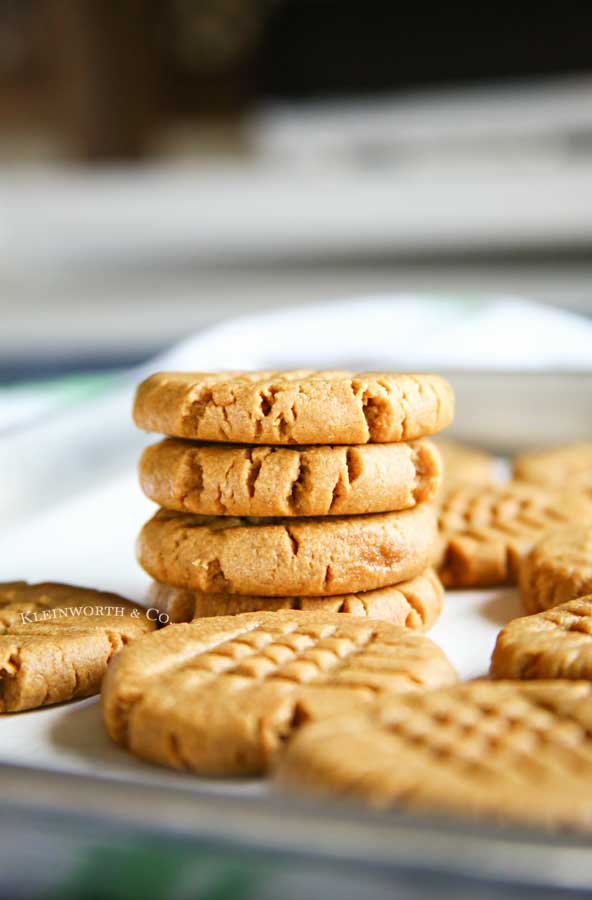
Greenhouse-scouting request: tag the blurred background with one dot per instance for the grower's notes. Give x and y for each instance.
(167, 164)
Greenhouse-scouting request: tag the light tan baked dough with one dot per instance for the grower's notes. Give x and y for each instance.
(558, 568)
(287, 557)
(219, 696)
(56, 641)
(556, 643)
(556, 467)
(462, 464)
(504, 749)
(294, 407)
(486, 531)
(415, 604)
(221, 480)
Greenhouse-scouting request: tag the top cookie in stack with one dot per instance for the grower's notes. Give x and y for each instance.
(286, 489)
(298, 407)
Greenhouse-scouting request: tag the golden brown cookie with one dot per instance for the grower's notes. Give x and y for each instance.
(556, 643)
(296, 407)
(486, 531)
(56, 641)
(465, 465)
(415, 604)
(222, 480)
(556, 467)
(506, 749)
(219, 696)
(286, 557)
(558, 568)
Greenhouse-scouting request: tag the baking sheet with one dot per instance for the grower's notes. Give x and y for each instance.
(89, 539)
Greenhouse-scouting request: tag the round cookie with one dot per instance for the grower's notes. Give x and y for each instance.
(287, 557)
(222, 480)
(556, 467)
(566, 469)
(220, 696)
(465, 465)
(414, 604)
(485, 531)
(56, 641)
(556, 643)
(294, 407)
(504, 749)
(558, 568)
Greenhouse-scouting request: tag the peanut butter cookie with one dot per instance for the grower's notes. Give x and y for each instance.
(558, 568)
(556, 643)
(485, 531)
(506, 749)
(415, 604)
(287, 557)
(297, 407)
(557, 466)
(219, 696)
(56, 641)
(465, 465)
(222, 480)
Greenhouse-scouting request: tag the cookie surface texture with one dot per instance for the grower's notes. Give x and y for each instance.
(415, 604)
(508, 750)
(222, 480)
(558, 568)
(556, 643)
(294, 407)
(219, 696)
(285, 557)
(485, 532)
(56, 641)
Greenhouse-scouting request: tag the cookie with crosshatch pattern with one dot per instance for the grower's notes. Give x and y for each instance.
(57, 640)
(509, 750)
(486, 531)
(220, 696)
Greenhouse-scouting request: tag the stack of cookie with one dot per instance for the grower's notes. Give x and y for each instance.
(293, 490)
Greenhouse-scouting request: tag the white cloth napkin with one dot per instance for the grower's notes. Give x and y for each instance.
(398, 332)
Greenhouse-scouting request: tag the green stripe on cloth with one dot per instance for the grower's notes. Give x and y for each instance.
(154, 873)
(22, 403)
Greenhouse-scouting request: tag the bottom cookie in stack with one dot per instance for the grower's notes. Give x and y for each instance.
(416, 603)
